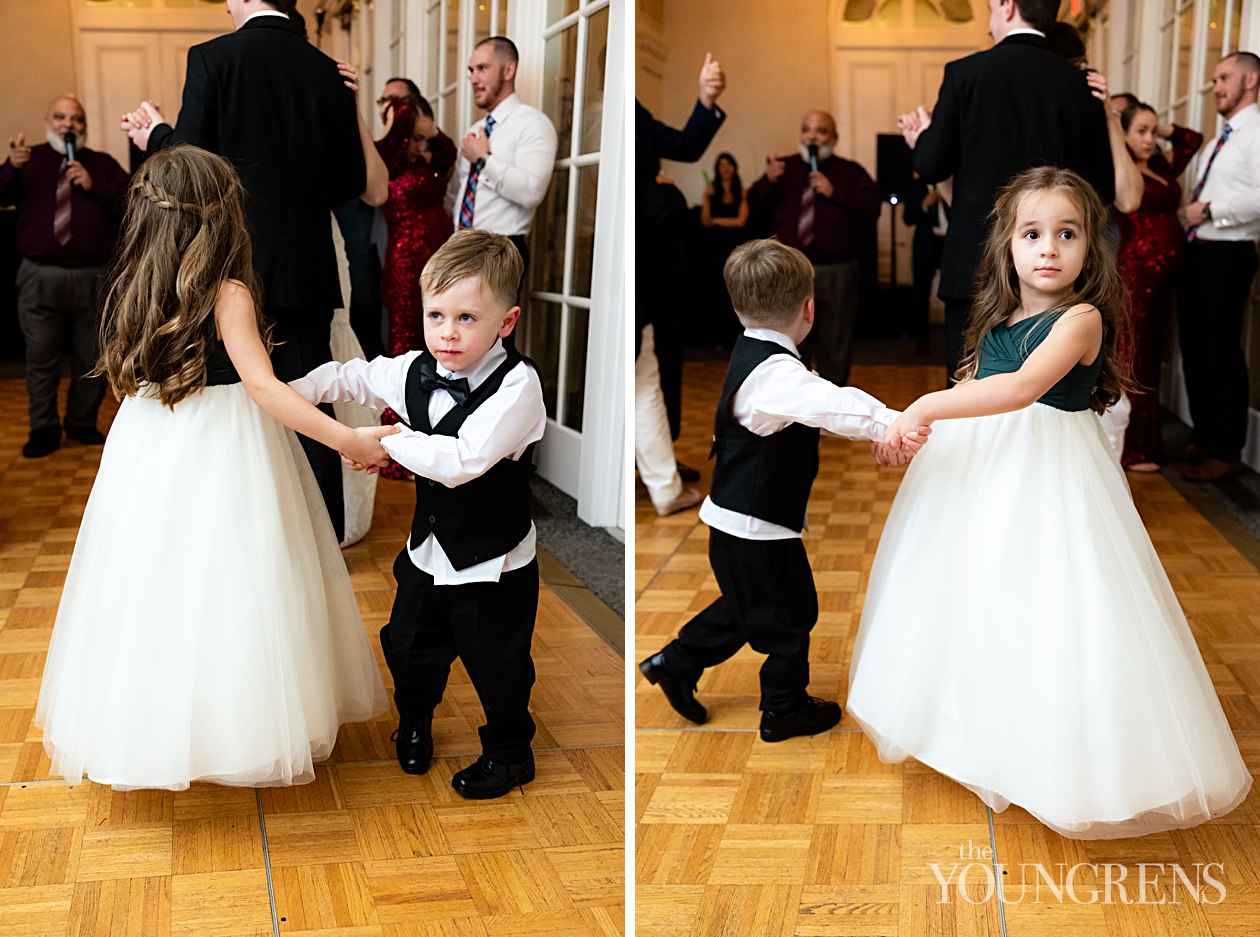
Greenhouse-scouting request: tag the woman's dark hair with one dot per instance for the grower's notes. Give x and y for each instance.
(414, 97)
(737, 187)
(1130, 112)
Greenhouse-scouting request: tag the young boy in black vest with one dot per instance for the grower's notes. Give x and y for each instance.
(766, 433)
(467, 577)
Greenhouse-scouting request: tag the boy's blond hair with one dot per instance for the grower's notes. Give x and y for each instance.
(769, 283)
(491, 258)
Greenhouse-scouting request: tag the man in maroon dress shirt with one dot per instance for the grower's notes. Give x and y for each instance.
(67, 221)
(825, 212)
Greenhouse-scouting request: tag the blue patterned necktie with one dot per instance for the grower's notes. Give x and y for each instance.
(470, 190)
(1198, 186)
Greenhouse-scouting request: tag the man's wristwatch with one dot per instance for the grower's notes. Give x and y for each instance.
(1207, 211)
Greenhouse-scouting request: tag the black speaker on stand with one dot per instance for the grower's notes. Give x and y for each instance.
(894, 172)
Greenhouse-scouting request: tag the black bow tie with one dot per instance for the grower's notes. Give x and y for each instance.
(430, 381)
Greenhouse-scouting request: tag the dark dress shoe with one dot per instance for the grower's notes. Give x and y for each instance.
(1213, 470)
(687, 473)
(812, 716)
(1189, 452)
(486, 779)
(679, 692)
(414, 743)
(88, 435)
(42, 442)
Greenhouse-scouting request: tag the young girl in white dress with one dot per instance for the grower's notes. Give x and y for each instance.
(207, 630)
(1019, 633)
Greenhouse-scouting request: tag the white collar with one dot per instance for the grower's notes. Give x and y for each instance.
(1243, 117)
(265, 13)
(771, 335)
(483, 368)
(1025, 31)
(503, 110)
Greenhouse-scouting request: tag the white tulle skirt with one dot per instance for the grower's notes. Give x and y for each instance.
(1020, 636)
(207, 629)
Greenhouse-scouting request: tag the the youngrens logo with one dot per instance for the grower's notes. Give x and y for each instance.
(977, 879)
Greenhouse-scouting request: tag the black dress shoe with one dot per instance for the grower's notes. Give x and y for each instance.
(42, 442)
(687, 473)
(679, 692)
(89, 435)
(414, 743)
(812, 716)
(486, 779)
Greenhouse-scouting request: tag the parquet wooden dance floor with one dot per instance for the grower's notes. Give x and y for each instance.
(362, 851)
(818, 837)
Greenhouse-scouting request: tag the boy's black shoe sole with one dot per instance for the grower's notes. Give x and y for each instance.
(486, 779)
(680, 693)
(811, 717)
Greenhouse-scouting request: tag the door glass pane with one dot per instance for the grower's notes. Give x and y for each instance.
(1235, 25)
(446, 119)
(560, 69)
(542, 343)
(454, 67)
(1165, 65)
(1215, 37)
(584, 231)
(558, 9)
(481, 21)
(1207, 125)
(430, 84)
(503, 20)
(1185, 33)
(593, 95)
(575, 367)
(546, 245)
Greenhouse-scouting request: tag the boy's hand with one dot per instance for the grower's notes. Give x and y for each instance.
(365, 446)
(358, 466)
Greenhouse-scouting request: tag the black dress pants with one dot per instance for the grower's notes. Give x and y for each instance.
(487, 625)
(769, 602)
(303, 343)
(1213, 287)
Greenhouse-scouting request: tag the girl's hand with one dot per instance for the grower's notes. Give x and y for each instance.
(908, 430)
(888, 455)
(365, 447)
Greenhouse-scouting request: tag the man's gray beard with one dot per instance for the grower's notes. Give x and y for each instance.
(825, 151)
(56, 141)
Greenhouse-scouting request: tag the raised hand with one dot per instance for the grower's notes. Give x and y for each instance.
(139, 124)
(19, 152)
(712, 81)
(476, 145)
(913, 124)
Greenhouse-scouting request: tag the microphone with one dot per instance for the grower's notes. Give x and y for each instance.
(71, 142)
(813, 157)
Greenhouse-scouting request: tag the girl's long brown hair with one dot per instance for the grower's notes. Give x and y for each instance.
(183, 235)
(1099, 284)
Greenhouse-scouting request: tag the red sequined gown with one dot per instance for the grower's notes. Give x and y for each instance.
(1151, 246)
(418, 225)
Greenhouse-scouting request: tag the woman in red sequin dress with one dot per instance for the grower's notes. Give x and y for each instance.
(419, 158)
(1151, 242)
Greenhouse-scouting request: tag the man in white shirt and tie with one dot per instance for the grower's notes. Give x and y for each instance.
(1222, 222)
(506, 158)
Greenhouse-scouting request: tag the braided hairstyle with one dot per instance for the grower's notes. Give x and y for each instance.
(183, 238)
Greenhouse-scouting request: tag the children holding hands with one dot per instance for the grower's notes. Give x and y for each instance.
(769, 418)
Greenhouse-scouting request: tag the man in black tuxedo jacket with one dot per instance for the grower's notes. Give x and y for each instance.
(999, 112)
(278, 109)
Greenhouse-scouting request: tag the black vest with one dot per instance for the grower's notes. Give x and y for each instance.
(767, 477)
(487, 516)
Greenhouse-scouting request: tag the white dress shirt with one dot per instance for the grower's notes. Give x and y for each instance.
(1233, 185)
(779, 392)
(515, 175)
(503, 427)
(266, 13)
